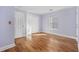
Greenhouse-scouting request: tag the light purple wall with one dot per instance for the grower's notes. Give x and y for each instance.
(78, 24)
(6, 29)
(40, 24)
(66, 21)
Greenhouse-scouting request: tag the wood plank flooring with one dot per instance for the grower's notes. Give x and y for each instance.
(44, 42)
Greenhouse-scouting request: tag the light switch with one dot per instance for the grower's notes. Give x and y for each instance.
(9, 22)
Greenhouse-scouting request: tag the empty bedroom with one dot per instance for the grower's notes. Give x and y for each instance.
(39, 29)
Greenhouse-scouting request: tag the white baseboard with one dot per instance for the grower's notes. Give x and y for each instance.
(19, 36)
(65, 36)
(7, 47)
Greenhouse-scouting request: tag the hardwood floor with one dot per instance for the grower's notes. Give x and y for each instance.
(44, 42)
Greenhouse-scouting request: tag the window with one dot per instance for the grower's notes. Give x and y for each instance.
(53, 23)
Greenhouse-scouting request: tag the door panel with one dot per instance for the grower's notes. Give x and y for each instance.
(19, 24)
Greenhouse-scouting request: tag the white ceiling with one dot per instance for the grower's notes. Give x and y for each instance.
(41, 9)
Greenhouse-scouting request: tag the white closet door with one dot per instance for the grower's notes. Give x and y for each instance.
(19, 24)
